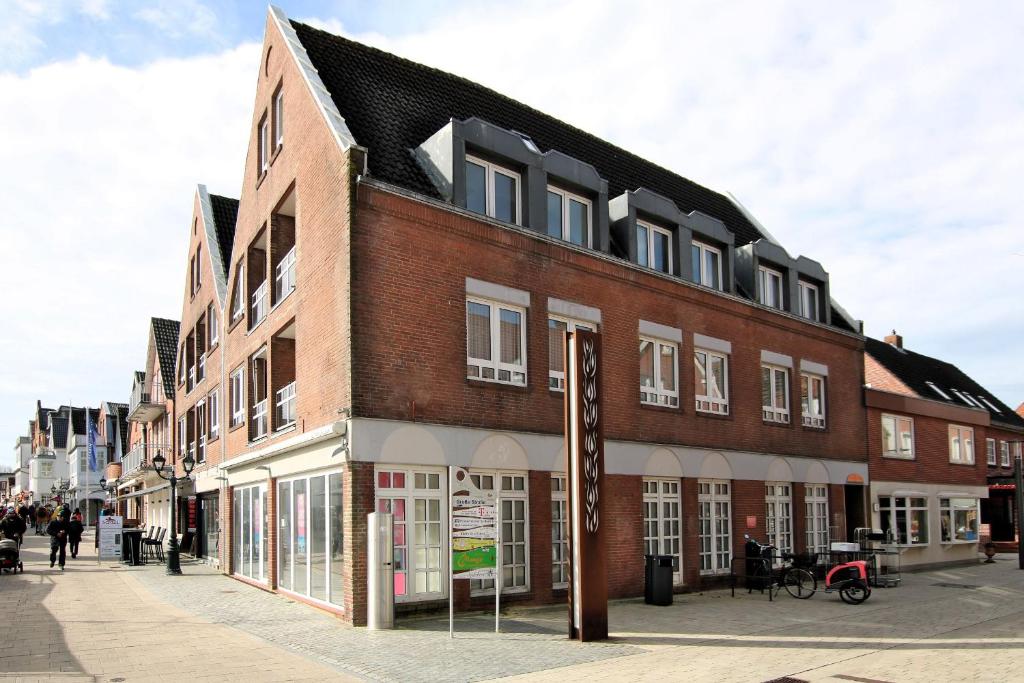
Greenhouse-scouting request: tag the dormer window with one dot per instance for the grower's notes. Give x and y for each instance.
(653, 247)
(707, 265)
(808, 300)
(569, 217)
(492, 190)
(770, 287)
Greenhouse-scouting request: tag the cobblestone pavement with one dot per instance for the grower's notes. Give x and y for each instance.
(956, 624)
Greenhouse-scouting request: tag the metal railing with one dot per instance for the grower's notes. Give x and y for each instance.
(284, 277)
(285, 414)
(141, 457)
(259, 303)
(259, 419)
(201, 368)
(145, 394)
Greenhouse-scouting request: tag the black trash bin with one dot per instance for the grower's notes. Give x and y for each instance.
(756, 568)
(658, 579)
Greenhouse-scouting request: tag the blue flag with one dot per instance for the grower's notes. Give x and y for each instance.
(91, 435)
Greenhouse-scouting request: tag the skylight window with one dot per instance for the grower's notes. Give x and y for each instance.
(989, 404)
(967, 398)
(938, 391)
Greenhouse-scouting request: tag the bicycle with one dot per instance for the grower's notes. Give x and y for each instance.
(798, 581)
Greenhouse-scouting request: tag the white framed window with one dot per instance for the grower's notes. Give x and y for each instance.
(492, 190)
(937, 390)
(559, 532)
(310, 538)
(279, 117)
(816, 517)
(237, 397)
(959, 518)
(238, 299)
(711, 381)
(182, 436)
(812, 400)
(569, 217)
(264, 144)
(774, 393)
(714, 521)
(556, 353)
(662, 521)
(778, 500)
(770, 287)
(284, 405)
(1005, 457)
(808, 300)
(416, 498)
(514, 515)
(495, 342)
(961, 444)
(284, 276)
(213, 325)
(213, 401)
(201, 431)
(907, 517)
(249, 518)
(990, 452)
(659, 372)
(707, 265)
(897, 437)
(653, 247)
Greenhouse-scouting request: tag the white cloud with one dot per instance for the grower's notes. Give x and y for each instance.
(179, 18)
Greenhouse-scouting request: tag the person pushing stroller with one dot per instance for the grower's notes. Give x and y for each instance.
(12, 526)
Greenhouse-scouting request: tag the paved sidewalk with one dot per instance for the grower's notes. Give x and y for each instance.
(93, 622)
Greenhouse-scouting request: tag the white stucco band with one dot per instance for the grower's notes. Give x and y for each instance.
(776, 359)
(390, 441)
(489, 290)
(661, 331)
(573, 310)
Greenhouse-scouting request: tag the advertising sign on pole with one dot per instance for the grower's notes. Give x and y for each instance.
(109, 530)
(473, 529)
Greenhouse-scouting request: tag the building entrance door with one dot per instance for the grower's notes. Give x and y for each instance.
(855, 517)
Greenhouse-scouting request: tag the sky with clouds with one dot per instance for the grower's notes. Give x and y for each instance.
(882, 139)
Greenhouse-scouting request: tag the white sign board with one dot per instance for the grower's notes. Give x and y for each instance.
(109, 529)
(474, 531)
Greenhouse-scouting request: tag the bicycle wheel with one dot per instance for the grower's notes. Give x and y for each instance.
(800, 583)
(855, 592)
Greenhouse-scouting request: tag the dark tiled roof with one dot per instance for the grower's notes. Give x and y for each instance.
(225, 213)
(59, 431)
(78, 422)
(391, 105)
(43, 418)
(916, 370)
(122, 423)
(165, 332)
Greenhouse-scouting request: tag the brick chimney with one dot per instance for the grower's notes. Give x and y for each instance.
(894, 339)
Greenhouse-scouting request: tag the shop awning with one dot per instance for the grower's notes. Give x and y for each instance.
(144, 492)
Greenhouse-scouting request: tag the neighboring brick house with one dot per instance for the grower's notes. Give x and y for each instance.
(142, 495)
(932, 436)
(410, 247)
(201, 373)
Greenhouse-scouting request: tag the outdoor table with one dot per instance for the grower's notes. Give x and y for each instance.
(131, 546)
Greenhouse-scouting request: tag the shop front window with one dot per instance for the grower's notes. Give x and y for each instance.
(250, 527)
(310, 537)
(416, 498)
(907, 517)
(959, 519)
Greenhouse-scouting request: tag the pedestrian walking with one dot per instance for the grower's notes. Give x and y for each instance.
(12, 526)
(31, 520)
(42, 517)
(75, 529)
(58, 531)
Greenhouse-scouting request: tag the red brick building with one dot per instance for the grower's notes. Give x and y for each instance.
(935, 439)
(409, 248)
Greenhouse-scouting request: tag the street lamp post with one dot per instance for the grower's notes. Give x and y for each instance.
(1018, 495)
(173, 561)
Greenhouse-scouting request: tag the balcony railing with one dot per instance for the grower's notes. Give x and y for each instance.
(259, 419)
(140, 457)
(201, 368)
(147, 402)
(259, 304)
(284, 277)
(285, 414)
(191, 379)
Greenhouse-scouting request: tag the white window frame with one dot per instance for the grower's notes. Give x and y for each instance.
(284, 397)
(182, 436)
(709, 403)
(494, 363)
(497, 484)
(201, 430)
(807, 311)
(236, 397)
(238, 299)
(559, 531)
(702, 277)
(566, 230)
(714, 531)
(660, 494)
(908, 508)
(948, 507)
(778, 521)
(213, 401)
(284, 276)
(815, 420)
(651, 228)
(329, 523)
(489, 170)
(961, 444)
(212, 325)
(1005, 456)
(990, 452)
(659, 395)
(772, 412)
(556, 378)
(937, 390)
(264, 143)
(765, 276)
(900, 453)
(816, 518)
(255, 549)
(279, 117)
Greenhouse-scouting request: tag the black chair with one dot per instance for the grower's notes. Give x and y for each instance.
(152, 546)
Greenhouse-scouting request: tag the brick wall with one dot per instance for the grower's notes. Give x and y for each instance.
(931, 463)
(359, 496)
(624, 535)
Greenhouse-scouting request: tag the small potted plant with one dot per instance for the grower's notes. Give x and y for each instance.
(990, 550)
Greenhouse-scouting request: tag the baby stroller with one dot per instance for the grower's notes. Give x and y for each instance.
(10, 557)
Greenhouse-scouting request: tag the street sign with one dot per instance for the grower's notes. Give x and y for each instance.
(474, 548)
(109, 530)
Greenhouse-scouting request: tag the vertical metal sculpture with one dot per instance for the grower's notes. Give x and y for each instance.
(584, 446)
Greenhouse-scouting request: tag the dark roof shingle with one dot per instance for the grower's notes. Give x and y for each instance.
(916, 370)
(392, 105)
(165, 333)
(59, 431)
(225, 214)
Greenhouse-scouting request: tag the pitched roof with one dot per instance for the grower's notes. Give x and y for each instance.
(165, 333)
(917, 370)
(391, 105)
(225, 213)
(59, 430)
(43, 418)
(78, 422)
